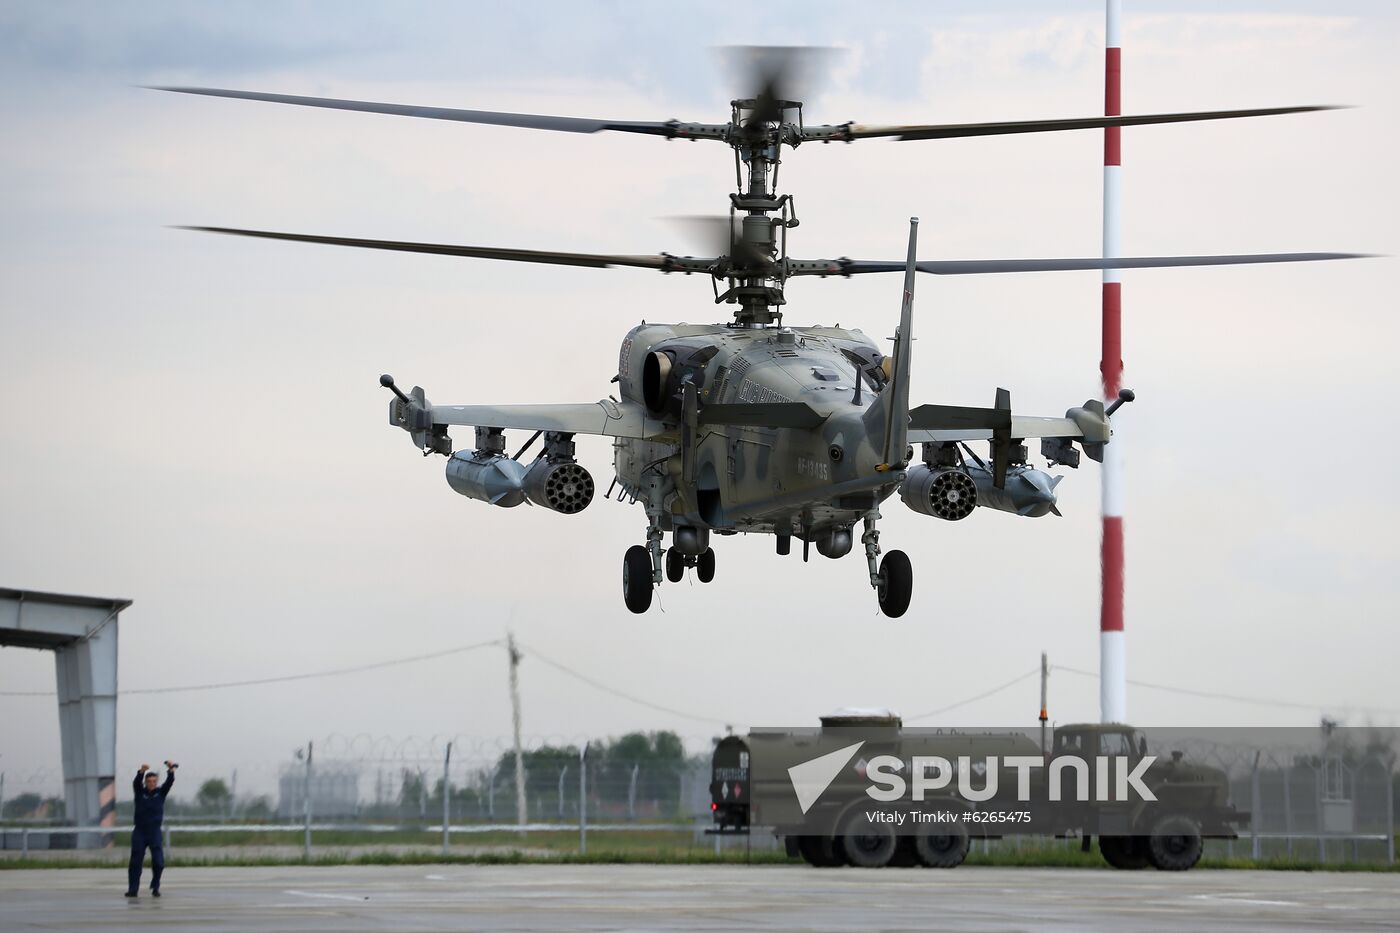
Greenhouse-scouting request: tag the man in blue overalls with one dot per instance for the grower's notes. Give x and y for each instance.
(150, 811)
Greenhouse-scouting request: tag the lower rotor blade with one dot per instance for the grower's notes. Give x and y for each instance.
(595, 260)
(982, 266)
(977, 266)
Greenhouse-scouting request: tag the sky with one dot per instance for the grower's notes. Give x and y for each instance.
(195, 423)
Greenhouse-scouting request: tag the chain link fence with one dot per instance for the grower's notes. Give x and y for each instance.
(640, 793)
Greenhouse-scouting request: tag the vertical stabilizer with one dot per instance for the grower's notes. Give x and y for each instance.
(897, 392)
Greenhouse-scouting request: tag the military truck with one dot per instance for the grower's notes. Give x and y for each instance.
(729, 785)
(1167, 833)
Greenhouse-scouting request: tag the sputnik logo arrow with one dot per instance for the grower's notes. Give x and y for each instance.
(811, 778)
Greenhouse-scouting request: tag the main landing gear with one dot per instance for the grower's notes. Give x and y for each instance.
(643, 565)
(893, 576)
(636, 578)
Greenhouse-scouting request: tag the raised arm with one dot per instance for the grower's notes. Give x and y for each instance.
(170, 767)
(140, 776)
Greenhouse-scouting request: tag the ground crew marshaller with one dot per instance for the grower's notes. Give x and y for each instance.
(150, 811)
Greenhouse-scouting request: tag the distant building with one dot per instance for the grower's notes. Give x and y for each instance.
(335, 791)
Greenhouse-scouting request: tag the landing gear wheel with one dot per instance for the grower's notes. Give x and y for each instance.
(821, 851)
(705, 565)
(675, 565)
(1128, 853)
(636, 578)
(1175, 843)
(943, 847)
(868, 844)
(896, 583)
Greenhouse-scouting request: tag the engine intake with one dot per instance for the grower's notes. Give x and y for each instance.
(943, 492)
(656, 381)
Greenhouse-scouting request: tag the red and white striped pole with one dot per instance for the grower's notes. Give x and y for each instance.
(1112, 664)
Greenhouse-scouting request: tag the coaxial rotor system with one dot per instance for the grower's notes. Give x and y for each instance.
(751, 268)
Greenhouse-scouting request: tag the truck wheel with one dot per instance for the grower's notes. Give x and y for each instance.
(636, 578)
(867, 844)
(896, 583)
(675, 565)
(1126, 852)
(904, 854)
(1175, 843)
(945, 847)
(820, 851)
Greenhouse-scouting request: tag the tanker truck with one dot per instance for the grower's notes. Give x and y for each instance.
(865, 791)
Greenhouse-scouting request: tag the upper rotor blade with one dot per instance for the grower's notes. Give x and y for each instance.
(528, 120)
(774, 76)
(596, 260)
(979, 266)
(1003, 128)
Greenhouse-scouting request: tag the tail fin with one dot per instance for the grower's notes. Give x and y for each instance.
(897, 392)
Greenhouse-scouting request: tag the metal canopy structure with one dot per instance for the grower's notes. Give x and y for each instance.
(81, 631)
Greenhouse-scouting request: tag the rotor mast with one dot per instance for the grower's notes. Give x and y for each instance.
(756, 261)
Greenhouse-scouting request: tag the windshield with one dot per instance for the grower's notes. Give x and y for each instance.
(1116, 743)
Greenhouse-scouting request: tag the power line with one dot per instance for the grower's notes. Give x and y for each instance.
(598, 685)
(973, 699)
(1236, 698)
(310, 675)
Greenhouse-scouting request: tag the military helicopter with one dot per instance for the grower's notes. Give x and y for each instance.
(749, 425)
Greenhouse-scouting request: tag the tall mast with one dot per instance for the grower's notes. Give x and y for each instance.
(1112, 663)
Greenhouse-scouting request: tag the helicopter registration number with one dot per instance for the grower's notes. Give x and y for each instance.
(817, 469)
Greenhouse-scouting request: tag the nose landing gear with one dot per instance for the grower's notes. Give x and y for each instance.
(677, 562)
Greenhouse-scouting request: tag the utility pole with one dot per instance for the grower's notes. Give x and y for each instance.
(1044, 680)
(583, 799)
(232, 793)
(306, 806)
(515, 725)
(446, 799)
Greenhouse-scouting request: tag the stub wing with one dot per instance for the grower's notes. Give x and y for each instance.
(606, 418)
(1022, 426)
(1088, 426)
